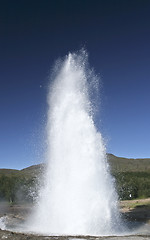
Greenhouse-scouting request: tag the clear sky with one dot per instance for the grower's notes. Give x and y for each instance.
(33, 34)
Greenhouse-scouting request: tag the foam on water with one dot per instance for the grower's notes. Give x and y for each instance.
(3, 223)
(79, 196)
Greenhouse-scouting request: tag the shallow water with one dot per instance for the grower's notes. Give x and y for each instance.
(16, 227)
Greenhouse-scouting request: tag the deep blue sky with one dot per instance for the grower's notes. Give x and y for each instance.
(33, 34)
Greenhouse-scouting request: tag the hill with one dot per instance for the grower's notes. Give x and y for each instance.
(119, 164)
(132, 179)
(33, 171)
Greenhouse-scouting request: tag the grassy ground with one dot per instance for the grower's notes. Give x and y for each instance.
(136, 210)
(128, 205)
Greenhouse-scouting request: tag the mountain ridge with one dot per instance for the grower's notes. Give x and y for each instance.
(117, 164)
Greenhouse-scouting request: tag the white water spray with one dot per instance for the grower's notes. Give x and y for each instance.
(79, 195)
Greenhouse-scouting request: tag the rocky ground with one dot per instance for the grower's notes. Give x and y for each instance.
(133, 211)
(19, 236)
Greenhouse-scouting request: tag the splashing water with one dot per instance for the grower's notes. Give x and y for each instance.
(79, 195)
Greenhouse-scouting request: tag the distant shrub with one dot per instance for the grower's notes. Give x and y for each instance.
(131, 185)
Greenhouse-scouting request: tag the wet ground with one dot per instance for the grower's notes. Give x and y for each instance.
(137, 219)
(20, 236)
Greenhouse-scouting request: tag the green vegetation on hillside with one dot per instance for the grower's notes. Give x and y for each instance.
(131, 185)
(19, 186)
(16, 188)
(132, 177)
(119, 164)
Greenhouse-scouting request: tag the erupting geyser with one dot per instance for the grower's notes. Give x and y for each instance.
(79, 195)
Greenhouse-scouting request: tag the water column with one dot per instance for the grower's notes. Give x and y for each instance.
(79, 196)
